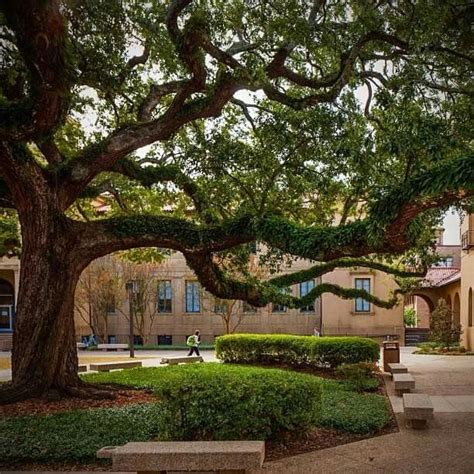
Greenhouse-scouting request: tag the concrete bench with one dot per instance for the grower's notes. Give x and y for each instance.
(403, 383)
(82, 368)
(396, 368)
(112, 347)
(108, 366)
(81, 345)
(181, 360)
(215, 456)
(418, 409)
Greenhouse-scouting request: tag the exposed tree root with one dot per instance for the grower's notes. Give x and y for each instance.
(12, 393)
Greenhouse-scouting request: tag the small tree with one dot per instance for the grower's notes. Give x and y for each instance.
(443, 329)
(229, 312)
(410, 318)
(145, 307)
(97, 293)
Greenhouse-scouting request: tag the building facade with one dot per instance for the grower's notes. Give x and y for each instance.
(183, 307)
(453, 280)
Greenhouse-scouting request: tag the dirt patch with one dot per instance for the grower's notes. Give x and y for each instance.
(40, 406)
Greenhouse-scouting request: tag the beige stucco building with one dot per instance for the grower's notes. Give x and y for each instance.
(191, 308)
(452, 280)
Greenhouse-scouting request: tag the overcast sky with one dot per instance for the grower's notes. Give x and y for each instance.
(451, 229)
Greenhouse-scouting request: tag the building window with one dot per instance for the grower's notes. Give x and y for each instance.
(305, 288)
(112, 339)
(110, 306)
(221, 306)
(279, 308)
(193, 297)
(361, 305)
(137, 340)
(165, 340)
(248, 308)
(165, 297)
(444, 262)
(7, 298)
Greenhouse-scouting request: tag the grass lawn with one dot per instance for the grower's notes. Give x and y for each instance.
(74, 437)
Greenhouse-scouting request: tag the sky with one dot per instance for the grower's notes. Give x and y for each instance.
(451, 225)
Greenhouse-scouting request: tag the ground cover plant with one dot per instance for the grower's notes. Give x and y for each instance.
(441, 349)
(195, 402)
(296, 350)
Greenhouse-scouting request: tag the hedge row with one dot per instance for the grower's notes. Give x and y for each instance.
(296, 350)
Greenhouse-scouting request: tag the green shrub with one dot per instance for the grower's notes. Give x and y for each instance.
(295, 350)
(75, 436)
(361, 376)
(410, 318)
(351, 411)
(215, 401)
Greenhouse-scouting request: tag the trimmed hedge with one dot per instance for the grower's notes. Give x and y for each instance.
(215, 401)
(296, 350)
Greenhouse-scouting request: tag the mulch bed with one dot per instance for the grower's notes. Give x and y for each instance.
(40, 406)
(316, 439)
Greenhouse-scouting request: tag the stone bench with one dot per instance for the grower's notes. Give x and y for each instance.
(181, 360)
(108, 366)
(396, 368)
(112, 347)
(82, 368)
(81, 345)
(215, 456)
(403, 383)
(418, 409)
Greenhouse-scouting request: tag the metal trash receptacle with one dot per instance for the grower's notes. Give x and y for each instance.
(391, 354)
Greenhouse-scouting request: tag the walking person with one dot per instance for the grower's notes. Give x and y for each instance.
(193, 343)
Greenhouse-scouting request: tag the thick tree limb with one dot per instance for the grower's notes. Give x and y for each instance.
(261, 293)
(147, 176)
(105, 236)
(41, 38)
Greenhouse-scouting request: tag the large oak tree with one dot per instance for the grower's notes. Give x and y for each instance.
(87, 84)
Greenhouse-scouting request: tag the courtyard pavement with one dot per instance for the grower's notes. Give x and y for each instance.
(447, 446)
(151, 358)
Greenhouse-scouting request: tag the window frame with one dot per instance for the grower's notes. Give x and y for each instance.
(186, 294)
(365, 303)
(306, 309)
(165, 299)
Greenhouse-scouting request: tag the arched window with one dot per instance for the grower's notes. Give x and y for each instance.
(470, 308)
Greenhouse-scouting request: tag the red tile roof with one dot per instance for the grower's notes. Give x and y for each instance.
(440, 276)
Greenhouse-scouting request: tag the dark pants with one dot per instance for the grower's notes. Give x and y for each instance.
(194, 349)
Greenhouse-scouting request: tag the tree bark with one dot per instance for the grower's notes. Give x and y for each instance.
(44, 357)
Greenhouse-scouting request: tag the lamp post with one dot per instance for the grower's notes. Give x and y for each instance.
(132, 288)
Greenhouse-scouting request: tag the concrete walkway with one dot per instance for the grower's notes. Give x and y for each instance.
(446, 447)
(152, 358)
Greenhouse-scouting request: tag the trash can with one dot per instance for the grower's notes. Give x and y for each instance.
(391, 354)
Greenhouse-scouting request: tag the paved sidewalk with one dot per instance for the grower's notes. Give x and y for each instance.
(446, 447)
(152, 358)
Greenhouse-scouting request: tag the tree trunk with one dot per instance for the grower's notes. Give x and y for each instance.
(44, 357)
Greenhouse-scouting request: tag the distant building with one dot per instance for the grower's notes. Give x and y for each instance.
(183, 307)
(452, 279)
